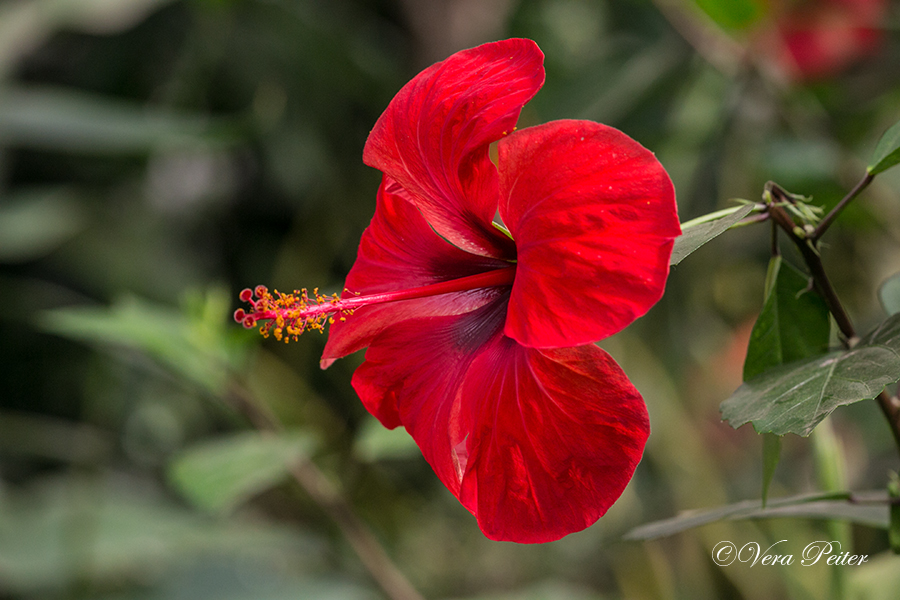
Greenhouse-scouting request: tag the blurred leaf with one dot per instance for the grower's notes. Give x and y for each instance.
(878, 579)
(733, 14)
(67, 530)
(793, 325)
(794, 161)
(251, 580)
(887, 151)
(60, 119)
(26, 24)
(771, 456)
(200, 349)
(699, 231)
(376, 442)
(36, 222)
(889, 294)
(867, 508)
(894, 529)
(795, 397)
(220, 475)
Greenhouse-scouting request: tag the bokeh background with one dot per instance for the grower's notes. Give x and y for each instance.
(156, 156)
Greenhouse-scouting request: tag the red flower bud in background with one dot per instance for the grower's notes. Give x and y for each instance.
(815, 39)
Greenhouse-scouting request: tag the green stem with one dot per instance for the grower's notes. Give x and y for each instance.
(825, 223)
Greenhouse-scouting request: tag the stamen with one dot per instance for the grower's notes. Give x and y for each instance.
(287, 316)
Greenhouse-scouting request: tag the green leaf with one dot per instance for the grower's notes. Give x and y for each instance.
(697, 232)
(887, 151)
(197, 346)
(63, 531)
(867, 508)
(771, 456)
(793, 324)
(220, 475)
(59, 119)
(733, 14)
(36, 222)
(889, 294)
(795, 397)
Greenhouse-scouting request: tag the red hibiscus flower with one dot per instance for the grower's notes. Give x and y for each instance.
(819, 38)
(480, 334)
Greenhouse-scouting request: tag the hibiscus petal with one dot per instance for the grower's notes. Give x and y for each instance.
(555, 438)
(413, 374)
(433, 137)
(399, 251)
(535, 443)
(594, 218)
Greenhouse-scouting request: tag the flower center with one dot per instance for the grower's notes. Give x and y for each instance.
(286, 316)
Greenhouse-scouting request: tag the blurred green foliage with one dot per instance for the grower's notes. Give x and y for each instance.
(156, 156)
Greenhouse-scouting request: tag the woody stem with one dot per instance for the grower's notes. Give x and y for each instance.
(806, 245)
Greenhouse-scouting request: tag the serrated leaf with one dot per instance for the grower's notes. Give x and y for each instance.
(887, 151)
(701, 230)
(873, 512)
(792, 325)
(889, 294)
(795, 397)
(220, 475)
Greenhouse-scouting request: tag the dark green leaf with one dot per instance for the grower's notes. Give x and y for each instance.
(219, 475)
(871, 512)
(887, 151)
(793, 324)
(698, 231)
(771, 456)
(889, 294)
(795, 397)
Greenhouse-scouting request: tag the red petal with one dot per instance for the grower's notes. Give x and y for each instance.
(399, 251)
(556, 436)
(536, 444)
(594, 218)
(433, 137)
(413, 374)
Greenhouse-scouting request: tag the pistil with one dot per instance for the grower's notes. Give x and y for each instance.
(287, 315)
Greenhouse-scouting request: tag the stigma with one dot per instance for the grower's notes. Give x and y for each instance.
(287, 315)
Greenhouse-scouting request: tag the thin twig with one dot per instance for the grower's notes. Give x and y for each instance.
(825, 223)
(321, 490)
(890, 406)
(814, 262)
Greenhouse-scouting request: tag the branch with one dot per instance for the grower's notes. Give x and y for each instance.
(831, 216)
(806, 244)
